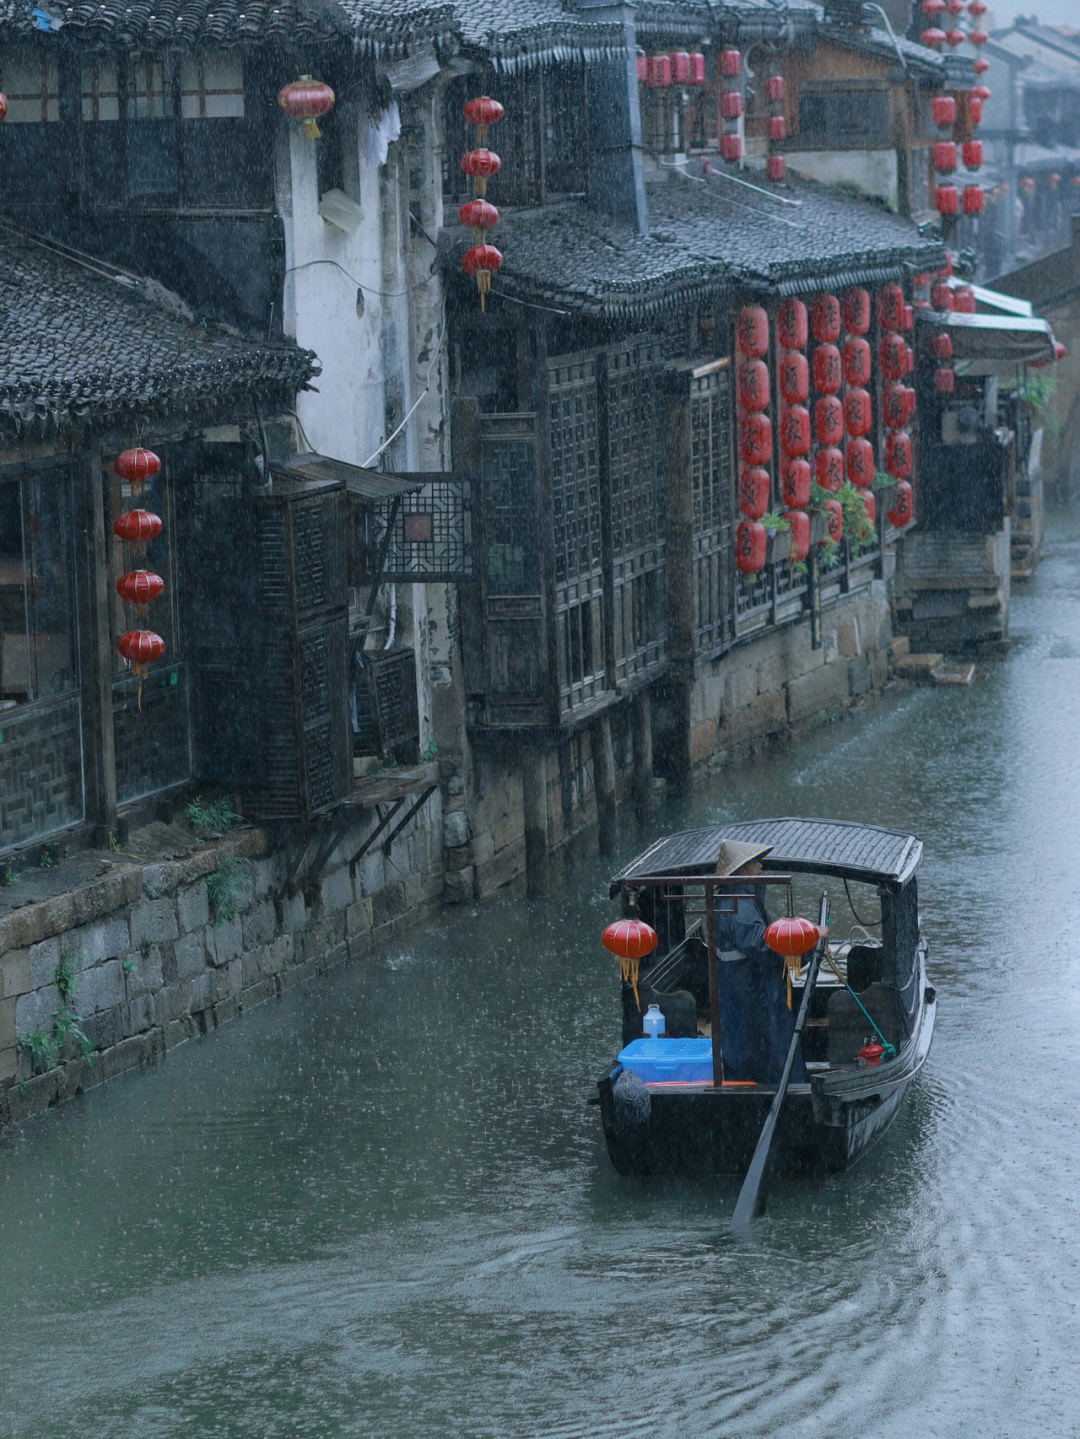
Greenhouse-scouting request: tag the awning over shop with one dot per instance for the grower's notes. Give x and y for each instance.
(363, 484)
(1005, 339)
(995, 299)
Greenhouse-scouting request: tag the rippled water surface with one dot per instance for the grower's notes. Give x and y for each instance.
(381, 1206)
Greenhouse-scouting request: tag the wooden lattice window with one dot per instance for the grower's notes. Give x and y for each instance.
(100, 89)
(31, 83)
(212, 86)
(566, 128)
(575, 473)
(711, 498)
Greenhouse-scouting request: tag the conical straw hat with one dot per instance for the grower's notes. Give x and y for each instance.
(734, 853)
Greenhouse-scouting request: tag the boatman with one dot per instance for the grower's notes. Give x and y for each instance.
(756, 1025)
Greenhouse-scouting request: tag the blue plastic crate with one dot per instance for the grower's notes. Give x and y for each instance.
(656, 1060)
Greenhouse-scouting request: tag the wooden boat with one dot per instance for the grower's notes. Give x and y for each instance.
(872, 989)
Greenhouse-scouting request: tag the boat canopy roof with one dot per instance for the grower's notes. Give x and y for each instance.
(821, 846)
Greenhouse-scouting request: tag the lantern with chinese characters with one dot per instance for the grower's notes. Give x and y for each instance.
(941, 296)
(893, 356)
(306, 100)
(894, 407)
(755, 439)
(751, 547)
(856, 310)
(944, 156)
(829, 420)
(898, 454)
(753, 383)
(869, 505)
(858, 413)
(658, 72)
(795, 431)
(829, 467)
(891, 307)
(834, 521)
(799, 523)
(752, 332)
(857, 362)
(825, 319)
(828, 370)
(795, 484)
(791, 325)
(794, 378)
(753, 492)
(972, 151)
(860, 463)
(483, 261)
(903, 506)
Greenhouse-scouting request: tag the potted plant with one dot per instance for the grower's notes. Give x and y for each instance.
(778, 530)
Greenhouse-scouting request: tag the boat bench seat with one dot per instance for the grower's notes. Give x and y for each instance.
(848, 1027)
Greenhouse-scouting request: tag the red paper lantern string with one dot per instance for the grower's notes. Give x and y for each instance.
(306, 100)
(137, 466)
(140, 648)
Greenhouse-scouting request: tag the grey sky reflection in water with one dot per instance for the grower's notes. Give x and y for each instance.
(380, 1205)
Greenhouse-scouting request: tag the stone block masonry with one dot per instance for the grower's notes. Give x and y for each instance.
(157, 963)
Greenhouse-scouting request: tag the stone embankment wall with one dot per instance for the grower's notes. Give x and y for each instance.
(158, 959)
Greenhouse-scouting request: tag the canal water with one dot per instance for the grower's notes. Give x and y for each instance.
(380, 1206)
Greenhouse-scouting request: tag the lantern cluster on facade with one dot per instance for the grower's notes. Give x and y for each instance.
(731, 106)
(776, 128)
(138, 587)
(958, 116)
(897, 361)
(680, 67)
(480, 164)
(306, 100)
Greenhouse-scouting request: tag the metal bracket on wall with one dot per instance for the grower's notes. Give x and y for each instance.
(384, 819)
(302, 870)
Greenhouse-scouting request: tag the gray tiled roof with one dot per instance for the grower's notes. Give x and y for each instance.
(81, 343)
(714, 233)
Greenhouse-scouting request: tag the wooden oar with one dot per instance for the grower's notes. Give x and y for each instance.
(751, 1201)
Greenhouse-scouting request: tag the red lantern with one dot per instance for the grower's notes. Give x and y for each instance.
(776, 128)
(480, 165)
(306, 100)
(774, 89)
(630, 939)
(791, 327)
(964, 301)
(754, 487)
(829, 467)
(974, 105)
(137, 466)
(825, 319)
(933, 8)
(137, 527)
(794, 377)
(973, 154)
(858, 413)
(642, 69)
(856, 311)
(898, 455)
(680, 67)
(944, 156)
(478, 216)
(857, 362)
(909, 360)
(776, 168)
(1059, 350)
(753, 381)
(860, 463)
(978, 37)
(792, 937)
(755, 439)
(893, 356)
(891, 307)
(731, 148)
(947, 199)
(869, 505)
(483, 261)
(828, 371)
(795, 431)
(658, 75)
(944, 382)
(982, 91)
(974, 200)
(943, 109)
(829, 420)
(752, 331)
(795, 484)
(800, 534)
(834, 521)
(141, 647)
(697, 68)
(941, 296)
(730, 63)
(982, 64)
(909, 318)
(954, 36)
(731, 105)
(894, 407)
(903, 506)
(751, 547)
(482, 112)
(977, 8)
(933, 38)
(941, 346)
(140, 587)
(3, 105)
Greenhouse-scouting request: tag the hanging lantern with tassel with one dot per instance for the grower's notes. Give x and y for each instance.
(306, 100)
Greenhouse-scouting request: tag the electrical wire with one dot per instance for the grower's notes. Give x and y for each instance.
(412, 408)
(873, 924)
(367, 289)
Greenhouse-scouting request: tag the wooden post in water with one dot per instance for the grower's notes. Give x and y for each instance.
(604, 775)
(534, 798)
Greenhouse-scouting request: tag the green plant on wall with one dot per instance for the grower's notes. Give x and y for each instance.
(225, 887)
(211, 819)
(857, 527)
(46, 1046)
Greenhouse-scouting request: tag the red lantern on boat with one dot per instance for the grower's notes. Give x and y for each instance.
(137, 527)
(800, 534)
(858, 413)
(869, 505)
(754, 486)
(306, 100)
(825, 319)
(630, 939)
(834, 521)
(856, 311)
(860, 463)
(891, 307)
(480, 166)
(794, 378)
(829, 420)
(898, 456)
(828, 370)
(140, 587)
(903, 506)
(893, 356)
(857, 362)
(829, 467)
(483, 261)
(751, 547)
(792, 937)
(795, 431)
(791, 326)
(795, 484)
(755, 439)
(137, 466)
(752, 332)
(753, 380)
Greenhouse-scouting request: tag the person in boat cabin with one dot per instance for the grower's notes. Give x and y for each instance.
(756, 1025)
